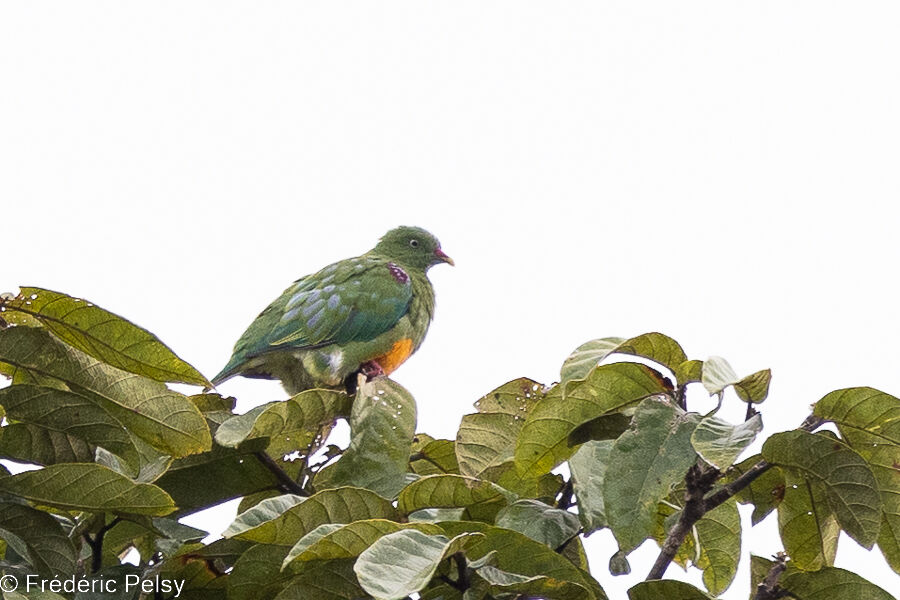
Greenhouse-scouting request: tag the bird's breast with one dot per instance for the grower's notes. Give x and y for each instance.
(393, 358)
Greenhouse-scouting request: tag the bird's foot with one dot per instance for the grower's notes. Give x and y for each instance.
(371, 370)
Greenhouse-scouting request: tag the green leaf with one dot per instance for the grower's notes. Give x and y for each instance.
(202, 480)
(88, 486)
(717, 375)
(486, 440)
(498, 582)
(870, 422)
(433, 457)
(403, 562)
(293, 424)
(514, 397)
(808, 527)
(719, 443)
(32, 444)
(165, 419)
(830, 583)
(604, 427)
(332, 541)
(666, 589)
(690, 371)
(655, 346)
(588, 466)
(105, 336)
(517, 553)
(719, 536)
(70, 414)
(257, 574)
(849, 485)
(765, 492)
(382, 426)
(542, 523)
(754, 387)
(39, 538)
(644, 463)
(283, 520)
(324, 580)
(481, 499)
(543, 441)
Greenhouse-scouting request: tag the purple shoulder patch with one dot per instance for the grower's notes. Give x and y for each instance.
(398, 273)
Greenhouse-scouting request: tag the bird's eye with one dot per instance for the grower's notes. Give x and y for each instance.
(414, 243)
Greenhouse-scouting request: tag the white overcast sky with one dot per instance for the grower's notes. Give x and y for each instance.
(723, 172)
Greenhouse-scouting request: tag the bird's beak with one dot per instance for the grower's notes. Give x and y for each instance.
(443, 257)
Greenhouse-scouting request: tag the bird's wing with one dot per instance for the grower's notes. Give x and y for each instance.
(353, 300)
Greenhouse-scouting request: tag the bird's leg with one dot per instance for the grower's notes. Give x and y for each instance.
(371, 370)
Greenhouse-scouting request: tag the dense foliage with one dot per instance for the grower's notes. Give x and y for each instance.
(397, 513)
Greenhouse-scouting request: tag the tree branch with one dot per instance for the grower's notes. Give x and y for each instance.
(285, 483)
(96, 544)
(565, 497)
(768, 588)
(698, 504)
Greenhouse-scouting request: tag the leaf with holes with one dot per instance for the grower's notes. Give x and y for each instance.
(543, 441)
(644, 463)
(848, 482)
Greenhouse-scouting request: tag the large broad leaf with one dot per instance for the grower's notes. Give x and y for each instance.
(514, 552)
(382, 427)
(666, 590)
(70, 414)
(588, 466)
(333, 541)
(289, 425)
(257, 573)
(88, 486)
(870, 422)
(830, 583)
(657, 347)
(32, 444)
(199, 481)
(849, 485)
(543, 441)
(719, 536)
(284, 520)
(481, 499)
(165, 419)
(719, 442)
(486, 440)
(514, 397)
(765, 492)
(104, 335)
(808, 527)
(643, 464)
(324, 580)
(39, 538)
(542, 523)
(403, 562)
(433, 457)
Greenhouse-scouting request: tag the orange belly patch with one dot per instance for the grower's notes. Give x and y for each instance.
(394, 357)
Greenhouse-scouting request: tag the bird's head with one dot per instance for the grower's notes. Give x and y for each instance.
(412, 247)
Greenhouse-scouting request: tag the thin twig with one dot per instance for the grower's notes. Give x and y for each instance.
(768, 588)
(284, 480)
(565, 497)
(698, 504)
(96, 544)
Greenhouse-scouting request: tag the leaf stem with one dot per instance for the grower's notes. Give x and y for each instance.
(96, 544)
(565, 497)
(768, 588)
(285, 483)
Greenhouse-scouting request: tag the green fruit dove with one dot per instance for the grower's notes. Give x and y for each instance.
(361, 315)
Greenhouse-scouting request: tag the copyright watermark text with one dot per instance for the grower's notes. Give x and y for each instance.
(95, 585)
